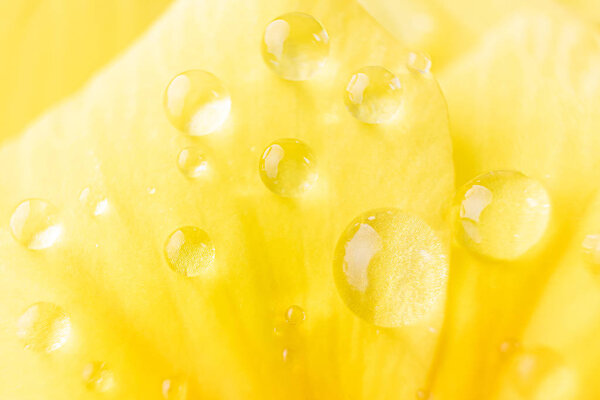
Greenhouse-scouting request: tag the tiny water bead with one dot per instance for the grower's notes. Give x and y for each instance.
(44, 327)
(189, 251)
(288, 167)
(390, 268)
(175, 389)
(373, 95)
(295, 46)
(197, 103)
(98, 377)
(192, 162)
(501, 214)
(96, 203)
(591, 249)
(295, 315)
(35, 224)
(419, 61)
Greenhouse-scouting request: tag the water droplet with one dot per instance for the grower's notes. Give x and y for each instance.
(501, 214)
(96, 203)
(509, 346)
(591, 249)
(288, 168)
(295, 315)
(419, 61)
(44, 327)
(373, 95)
(151, 190)
(295, 46)
(98, 377)
(423, 394)
(34, 224)
(192, 162)
(390, 268)
(189, 251)
(197, 103)
(175, 389)
(287, 356)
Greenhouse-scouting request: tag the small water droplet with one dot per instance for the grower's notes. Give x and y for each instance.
(295, 46)
(390, 268)
(192, 162)
(419, 61)
(509, 346)
(175, 389)
(288, 167)
(501, 214)
(423, 394)
(151, 190)
(197, 103)
(189, 251)
(295, 315)
(591, 249)
(95, 202)
(98, 377)
(34, 224)
(287, 356)
(44, 327)
(373, 95)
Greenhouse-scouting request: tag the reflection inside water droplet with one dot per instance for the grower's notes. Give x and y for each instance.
(35, 224)
(44, 327)
(189, 251)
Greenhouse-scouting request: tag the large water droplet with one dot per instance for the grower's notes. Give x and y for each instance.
(373, 95)
(197, 103)
(295, 46)
(295, 315)
(419, 61)
(189, 251)
(98, 377)
(175, 389)
(34, 224)
(288, 168)
(192, 162)
(390, 268)
(44, 327)
(501, 214)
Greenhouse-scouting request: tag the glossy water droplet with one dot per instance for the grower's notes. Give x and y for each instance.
(591, 249)
(509, 346)
(96, 203)
(197, 103)
(98, 377)
(501, 214)
(390, 268)
(189, 251)
(423, 394)
(295, 46)
(34, 224)
(287, 356)
(192, 162)
(44, 327)
(175, 389)
(373, 95)
(288, 168)
(295, 315)
(419, 61)
(151, 190)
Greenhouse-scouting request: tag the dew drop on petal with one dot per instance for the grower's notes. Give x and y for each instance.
(192, 162)
(295, 46)
(390, 268)
(35, 224)
(98, 377)
(44, 327)
(197, 103)
(423, 394)
(96, 203)
(591, 250)
(288, 167)
(419, 61)
(175, 389)
(373, 95)
(189, 251)
(295, 315)
(501, 214)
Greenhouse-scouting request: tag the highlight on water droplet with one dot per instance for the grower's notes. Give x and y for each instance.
(501, 214)
(419, 61)
(175, 389)
(35, 224)
(95, 202)
(423, 394)
(509, 346)
(97, 377)
(44, 327)
(295, 46)
(197, 103)
(295, 315)
(591, 249)
(189, 251)
(373, 95)
(390, 268)
(192, 162)
(288, 167)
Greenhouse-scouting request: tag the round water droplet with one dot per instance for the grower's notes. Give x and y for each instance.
(98, 377)
(189, 251)
(95, 202)
(287, 356)
(591, 249)
(192, 162)
(197, 103)
(34, 224)
(390, 268)
(295, 315)
(295, 46)
(509, 346)
(44, 327)
(501, 214)
(288, 168)
(373, 95)
(175, 389)
(423, 394)
(419, 61)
